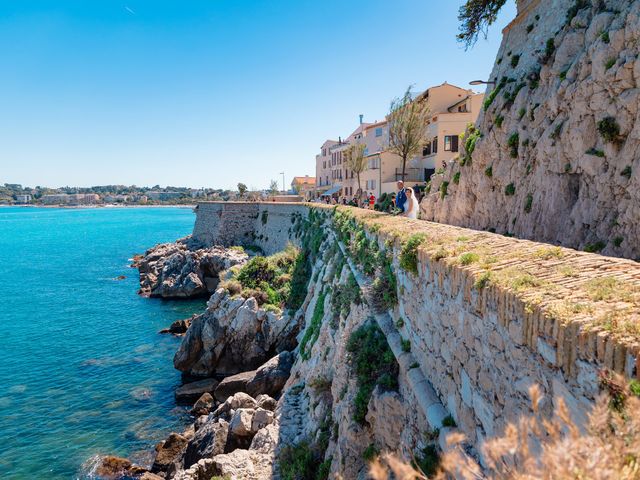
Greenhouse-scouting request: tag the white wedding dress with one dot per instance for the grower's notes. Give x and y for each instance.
(412, 207)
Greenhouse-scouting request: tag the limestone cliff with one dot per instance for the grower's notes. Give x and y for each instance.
(555, 158)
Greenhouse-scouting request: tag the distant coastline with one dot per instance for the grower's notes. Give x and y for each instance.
(110, 206)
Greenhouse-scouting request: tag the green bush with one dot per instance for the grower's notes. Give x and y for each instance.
(297, 462)
(409, 253)
(471, 138)
(597, 153)
(521, 113)
(515, 60)
(370, 453)
(510, 190)
(468, 258)
(299, 282)
(594, 247)
(549, 50)
(575, 8)
(428, 461)
(609, 129)
(385, 287)
(610, 63)
(344, 295)
(373, 362)
(489, 171)
(443, 189)
(456, 178)
(604, 36)
(618, 241)
(406, 345)
(528, 203)
(494, 93)
(626, 172)
(313, 329)
(448, 421)
(513, 144)
(499, 121)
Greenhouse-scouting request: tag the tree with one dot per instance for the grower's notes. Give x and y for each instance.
(242, 189)
(476, 16)
(356, 161)
(407, 127)
(273, 187)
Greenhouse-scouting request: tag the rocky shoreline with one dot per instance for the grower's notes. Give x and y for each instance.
(235, 358)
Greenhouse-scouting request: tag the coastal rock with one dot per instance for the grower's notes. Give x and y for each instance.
(150, 476)
(241, 422)
(169, 454)
(113, 468)
(233, 384)
(266, 402)
(261, 418)
(182, 270)
(179, 327)
(245, 465)
(203, 405)
(209, 440)
(272, 376)
(239, 400)
(194, 390)
(233, 335)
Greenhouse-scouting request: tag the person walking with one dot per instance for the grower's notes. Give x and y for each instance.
(372, 202)
(411, 205)
(401, 197)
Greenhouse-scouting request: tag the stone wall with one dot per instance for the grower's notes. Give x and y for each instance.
(545, 168)
(486, 316)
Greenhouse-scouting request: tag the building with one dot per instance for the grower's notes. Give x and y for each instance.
(71, 199)
(323, 168)
(164, 196)
(451, 110)
(23, 198)
(304, 186)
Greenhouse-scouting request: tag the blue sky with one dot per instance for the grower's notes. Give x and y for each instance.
(210, 92)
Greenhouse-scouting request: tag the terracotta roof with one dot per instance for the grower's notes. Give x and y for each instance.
(304, 180)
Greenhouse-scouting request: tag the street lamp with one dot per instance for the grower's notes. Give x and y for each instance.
(283, 190)
(482, 82)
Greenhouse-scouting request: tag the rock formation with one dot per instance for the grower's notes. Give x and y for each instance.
(183, 270)
(557, 155)
(233, 335)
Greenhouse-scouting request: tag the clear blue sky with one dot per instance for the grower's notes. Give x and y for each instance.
(209, 92)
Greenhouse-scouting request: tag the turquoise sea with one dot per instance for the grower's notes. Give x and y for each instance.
(83, 371)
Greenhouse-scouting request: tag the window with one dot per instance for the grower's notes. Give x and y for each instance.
(434, 145)
(428, 173)
(451, 143)
(374, 162)
(371, 185)
(379, 132)
(426, 150)
(324, 164)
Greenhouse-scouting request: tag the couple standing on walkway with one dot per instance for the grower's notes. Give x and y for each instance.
(406, 201)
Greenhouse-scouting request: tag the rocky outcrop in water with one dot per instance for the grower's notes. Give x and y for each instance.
(234, 335)
(183, 270)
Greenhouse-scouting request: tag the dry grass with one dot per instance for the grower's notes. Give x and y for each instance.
(609, 449)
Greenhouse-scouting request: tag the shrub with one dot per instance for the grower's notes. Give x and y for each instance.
(406, 345)
(448, 421)
(521, 113)
(297, 462)
(456, 178)
(371, 359)
(515, 60)
(489, 171)
(514, 143)
(469, 258)
(499, 121)
(400, 322)
(597, 153)
(618, 241)
(409, 253)
(575, 8)
(299, 282)
(494, 93)
(594, 247)
(384, 289)
(610, 63)
(604, 36)
(265, 216)
(567, 167)
(370, 453)
(528, 203)
(530, 28)
(313, 329)
(609, 129)
(344, 295)
(443, 189)
(549, 50)
(557, 131)
(427, 461)
(510, 190)
(563, 74)
(483, 280)
(626, 172)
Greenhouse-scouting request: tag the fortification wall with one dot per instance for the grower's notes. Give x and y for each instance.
(557, 155)
(486, 316)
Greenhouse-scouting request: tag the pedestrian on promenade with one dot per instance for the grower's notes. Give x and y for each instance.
(372, 201)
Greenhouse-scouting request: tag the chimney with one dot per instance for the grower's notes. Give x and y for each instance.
(361, 117)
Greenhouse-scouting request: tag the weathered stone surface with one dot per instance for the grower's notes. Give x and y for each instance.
(182, 270)
(261, 418)
(266, 402)
(192, 391)
(241, 422)
(209, 440)
(169, 454)
(271, 377)
(239, 400)
(233, 335)
(112, 468)
(179, 327)
(233, 384)
(245, 464)
(579, 188)
(386, 416)
(203, 405)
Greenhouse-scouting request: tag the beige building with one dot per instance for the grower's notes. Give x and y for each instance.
(71, 199)
(304, 186)
(323, 168)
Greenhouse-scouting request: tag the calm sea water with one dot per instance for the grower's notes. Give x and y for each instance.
(83, 371)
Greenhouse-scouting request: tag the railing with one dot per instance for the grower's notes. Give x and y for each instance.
(410, 175)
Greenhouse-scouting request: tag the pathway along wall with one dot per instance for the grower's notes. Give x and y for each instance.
(485, 316)
(557, 154)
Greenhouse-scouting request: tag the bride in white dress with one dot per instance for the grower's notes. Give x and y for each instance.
(412, 204)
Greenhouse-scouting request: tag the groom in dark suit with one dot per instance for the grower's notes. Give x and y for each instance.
(401, 197)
